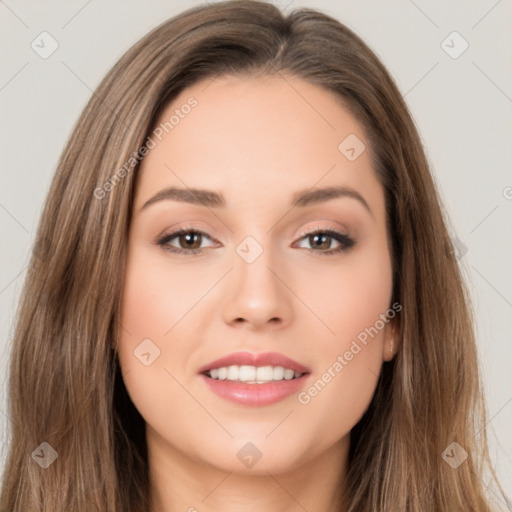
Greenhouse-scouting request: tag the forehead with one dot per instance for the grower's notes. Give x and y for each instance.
(254, 137)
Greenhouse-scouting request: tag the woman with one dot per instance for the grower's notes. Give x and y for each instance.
(153, 372)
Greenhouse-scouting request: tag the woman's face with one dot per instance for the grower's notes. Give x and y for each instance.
(254, 281)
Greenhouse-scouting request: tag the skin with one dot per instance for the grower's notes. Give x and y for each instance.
(257, 140)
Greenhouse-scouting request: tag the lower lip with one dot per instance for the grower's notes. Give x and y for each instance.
(255, 394)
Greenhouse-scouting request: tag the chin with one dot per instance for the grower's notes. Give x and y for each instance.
(257, 455)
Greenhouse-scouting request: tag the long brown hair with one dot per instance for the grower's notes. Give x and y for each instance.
(65, 385)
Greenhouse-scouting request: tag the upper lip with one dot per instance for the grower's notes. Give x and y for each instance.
(249, 359)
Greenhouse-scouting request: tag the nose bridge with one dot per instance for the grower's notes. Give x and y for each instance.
(257, 294)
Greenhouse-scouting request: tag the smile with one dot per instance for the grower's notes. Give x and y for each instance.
(254, 379)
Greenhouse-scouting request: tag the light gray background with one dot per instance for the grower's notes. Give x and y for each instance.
(462, 107)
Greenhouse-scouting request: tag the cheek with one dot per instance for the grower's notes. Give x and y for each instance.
(158, 294)
(334, 401)
(349, 297)
(155, 300)
(355, 302)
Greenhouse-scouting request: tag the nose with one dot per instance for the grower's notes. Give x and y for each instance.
(258, 295)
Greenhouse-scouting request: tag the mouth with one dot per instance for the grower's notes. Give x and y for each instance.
(254, 379)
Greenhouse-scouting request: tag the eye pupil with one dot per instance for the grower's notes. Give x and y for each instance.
(189, 238)
(323, 243)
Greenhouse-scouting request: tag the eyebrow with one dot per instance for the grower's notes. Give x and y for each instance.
(212, 199)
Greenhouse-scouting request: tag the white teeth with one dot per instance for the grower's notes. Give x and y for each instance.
(232, 373)
(246, 373)
(253, 374)
(288, 374)
(278, 373)
(265, 373)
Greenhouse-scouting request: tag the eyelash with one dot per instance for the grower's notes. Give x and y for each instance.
(345, 241)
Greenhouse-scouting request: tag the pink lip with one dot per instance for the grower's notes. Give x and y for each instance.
(255, 394)
(248, 359)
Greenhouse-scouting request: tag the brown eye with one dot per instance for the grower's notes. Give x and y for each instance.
(321, 241)
(188, 241)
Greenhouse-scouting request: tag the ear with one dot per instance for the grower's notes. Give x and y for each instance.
(391, 340)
